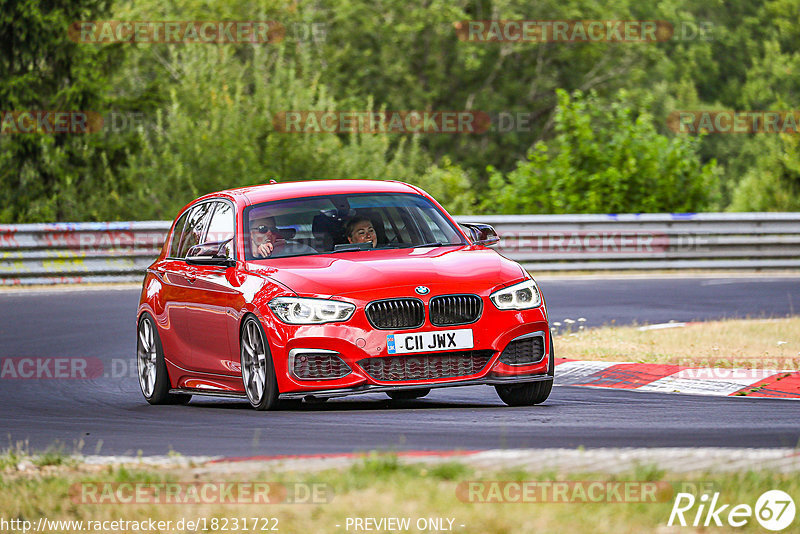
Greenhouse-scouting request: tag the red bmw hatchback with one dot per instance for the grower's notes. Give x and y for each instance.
(321, 289)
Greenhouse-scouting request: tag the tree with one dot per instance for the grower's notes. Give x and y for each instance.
(773, 183)
(604, 159)
(45, 177)
(218, 131)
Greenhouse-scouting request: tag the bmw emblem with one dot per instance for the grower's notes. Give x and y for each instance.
(422, 290)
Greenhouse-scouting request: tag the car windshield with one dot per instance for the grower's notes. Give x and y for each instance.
(356, 223)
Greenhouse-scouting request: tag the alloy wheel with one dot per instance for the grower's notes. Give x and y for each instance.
(258, 374)
(147, 358)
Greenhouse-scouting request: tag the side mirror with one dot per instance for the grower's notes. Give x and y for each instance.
(210, 254)
(482, 234)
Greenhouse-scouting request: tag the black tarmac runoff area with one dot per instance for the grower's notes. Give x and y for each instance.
(107, 415)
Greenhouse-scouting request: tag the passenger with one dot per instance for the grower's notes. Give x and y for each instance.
(361, 230)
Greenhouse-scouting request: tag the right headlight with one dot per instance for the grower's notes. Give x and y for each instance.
(522, 296)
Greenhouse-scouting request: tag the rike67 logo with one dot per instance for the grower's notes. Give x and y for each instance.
(774, 510)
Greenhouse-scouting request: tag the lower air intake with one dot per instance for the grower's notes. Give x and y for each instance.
(427, 366)
(524, 351)
(318, 366)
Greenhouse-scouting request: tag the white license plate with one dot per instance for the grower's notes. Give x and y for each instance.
(429, 341)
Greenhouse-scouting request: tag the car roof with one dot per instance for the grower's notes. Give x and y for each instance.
(278, 191)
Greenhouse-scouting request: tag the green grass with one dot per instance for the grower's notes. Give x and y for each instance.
(53, 455)
(731, 343)
(383, 485)
(20, 454)
(11, 457)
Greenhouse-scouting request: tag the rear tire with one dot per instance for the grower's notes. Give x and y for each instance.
(151, 367)
(408, 394)
(530, 393)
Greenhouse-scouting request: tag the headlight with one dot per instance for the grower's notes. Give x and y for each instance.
(298, 310)
(522, 296)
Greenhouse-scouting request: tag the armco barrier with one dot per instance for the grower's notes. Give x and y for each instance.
(78, 252)
(649, 241)
(109, 252)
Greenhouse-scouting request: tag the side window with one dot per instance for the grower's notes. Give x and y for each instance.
(176, 235)
(195, 226)
(221, 225)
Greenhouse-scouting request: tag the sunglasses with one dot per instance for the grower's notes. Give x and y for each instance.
(263, 229)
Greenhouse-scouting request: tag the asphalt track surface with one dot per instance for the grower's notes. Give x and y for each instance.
(107, 415)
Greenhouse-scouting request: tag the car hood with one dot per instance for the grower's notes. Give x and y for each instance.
(391, 272)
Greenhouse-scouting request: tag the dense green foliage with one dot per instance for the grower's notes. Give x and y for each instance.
(591, 131)
(214, 136)
(603, 160)
(45, 177)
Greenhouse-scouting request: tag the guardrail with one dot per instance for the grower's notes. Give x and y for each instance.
(649, 241)
(118, 252)
(64, 253)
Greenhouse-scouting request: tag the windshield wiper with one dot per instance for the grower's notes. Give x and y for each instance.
(351, 247)
(431, 244)
(354, 247)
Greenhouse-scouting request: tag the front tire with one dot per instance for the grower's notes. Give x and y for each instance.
(532, 392)
(151, 367)
(258, 372)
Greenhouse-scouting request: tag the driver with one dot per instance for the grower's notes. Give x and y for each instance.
(267, 241)
(264, 236)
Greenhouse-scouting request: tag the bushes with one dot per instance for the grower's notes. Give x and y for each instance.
(217, 132)
(604, 159)
(773, 183)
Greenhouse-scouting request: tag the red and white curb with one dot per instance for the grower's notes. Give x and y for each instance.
(774, 383)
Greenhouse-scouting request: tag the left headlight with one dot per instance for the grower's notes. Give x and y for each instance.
(300, 310)
(522, 296)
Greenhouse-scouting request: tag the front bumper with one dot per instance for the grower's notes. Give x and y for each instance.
(357, 340)
(369, 388)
